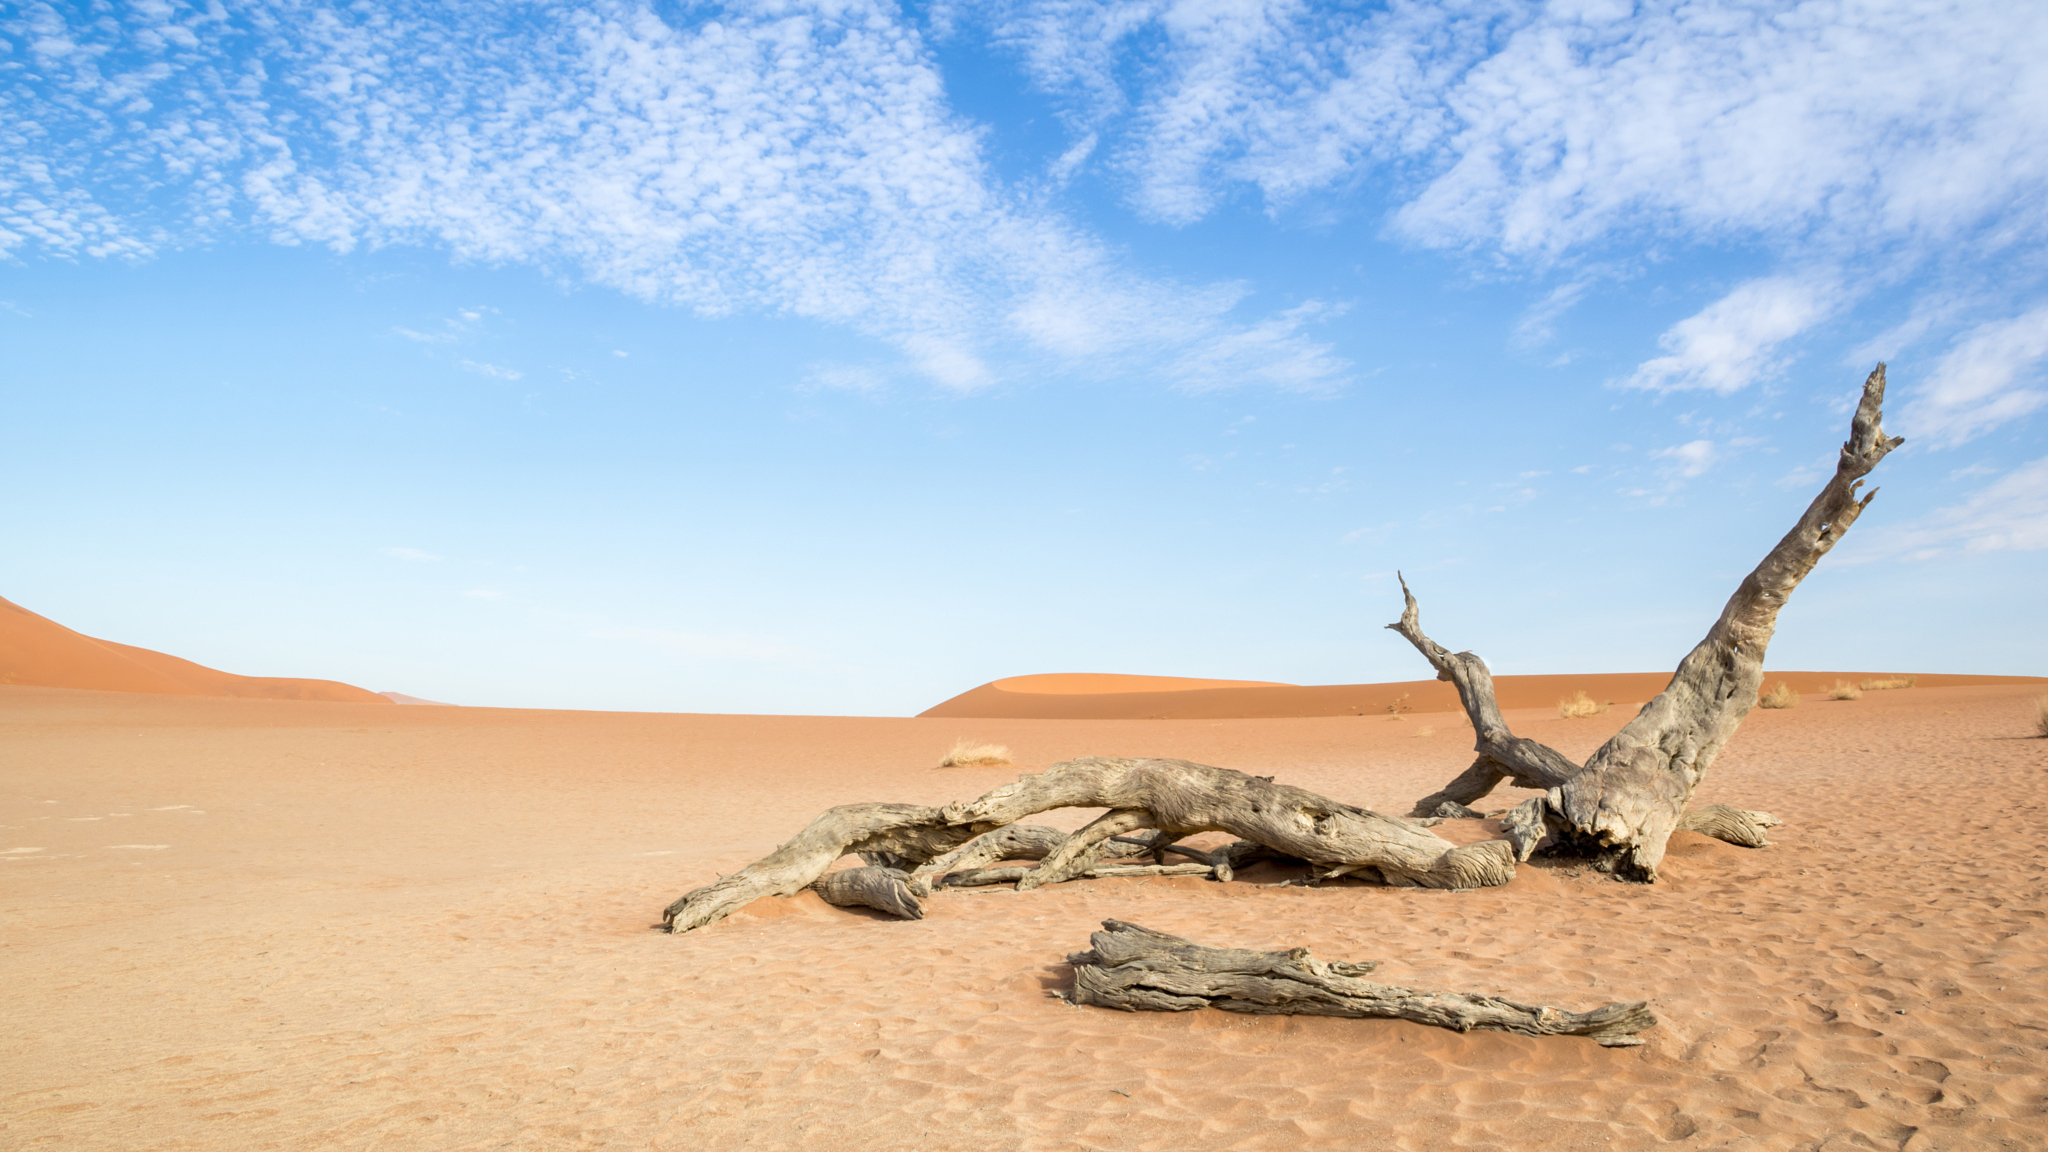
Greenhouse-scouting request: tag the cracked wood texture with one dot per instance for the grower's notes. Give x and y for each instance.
(1174, 798)
(1137, 969)
(1633, 793)
(1181, 798)
(902, 831)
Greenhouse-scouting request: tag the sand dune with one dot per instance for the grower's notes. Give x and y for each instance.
(35, 650)
(1101, 696)
(232, 924)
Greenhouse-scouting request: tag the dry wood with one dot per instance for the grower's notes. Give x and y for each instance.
(1735, 825)
(1182, 798)
(1136, 969)
(901, 831)
(1174, 798)
(883, 889)
(986, 876)
(1622, 807)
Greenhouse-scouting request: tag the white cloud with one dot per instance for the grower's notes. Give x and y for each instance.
(1690, 459)
(1540, 128)
(846, 378)
(1732, 343)
(494, 371)
(1990, 376)
(2009, 514)
(415, 555)
(484, 594)
(793, 157)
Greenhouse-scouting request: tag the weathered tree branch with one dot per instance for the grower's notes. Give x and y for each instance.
(1502, 754)
(1136, 969)
(905, 831)
(1622, 807)
(1634, 788)
(1182, 798)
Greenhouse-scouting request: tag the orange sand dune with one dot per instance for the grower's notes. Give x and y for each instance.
(39, 651)
(1103, 696)
(232, 924)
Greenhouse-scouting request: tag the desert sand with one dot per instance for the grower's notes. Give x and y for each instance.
(1100, 696)
(243, 924)
(39, 651)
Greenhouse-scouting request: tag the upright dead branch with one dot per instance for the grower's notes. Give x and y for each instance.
(1633, 789)
(1632, 794)
(1137, 969)
(1501, 752)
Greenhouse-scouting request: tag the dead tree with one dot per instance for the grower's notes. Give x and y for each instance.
(909, 848)
(1137, 969)
(1622, 806)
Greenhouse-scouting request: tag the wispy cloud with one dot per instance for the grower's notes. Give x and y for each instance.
(2009, 514)
(1733, 342)
(1690, 459)
(1992, 375)
(1539, 128)
(794, 158)
(416, 555)
(494, 371)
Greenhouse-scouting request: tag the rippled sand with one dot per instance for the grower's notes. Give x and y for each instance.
(268, 924)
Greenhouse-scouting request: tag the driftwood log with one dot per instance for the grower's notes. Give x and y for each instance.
(1137, 969)
(1621, 807)
(910, 849)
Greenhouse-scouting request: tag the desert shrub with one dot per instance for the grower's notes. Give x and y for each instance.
(970, 755)
(1780, 697)
(1843, 690)
(2041, 716)
(1885, 683)
(1579, 705)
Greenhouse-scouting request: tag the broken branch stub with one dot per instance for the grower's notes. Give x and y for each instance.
(1137, 969)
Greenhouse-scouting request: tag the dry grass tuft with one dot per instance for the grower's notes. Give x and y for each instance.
(1780, 697)
(2041, 716)
(1885, 683)
(1579, 705)
(967, 755)
(1843, 690)
(1421, 732)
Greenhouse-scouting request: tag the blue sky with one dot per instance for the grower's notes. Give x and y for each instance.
(836, 357)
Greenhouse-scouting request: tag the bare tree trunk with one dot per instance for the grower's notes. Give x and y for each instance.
(1137, 969)
(1622, 807)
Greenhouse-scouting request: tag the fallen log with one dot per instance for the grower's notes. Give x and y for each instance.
(1136, 969)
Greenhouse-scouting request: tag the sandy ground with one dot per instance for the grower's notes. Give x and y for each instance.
(242, 924)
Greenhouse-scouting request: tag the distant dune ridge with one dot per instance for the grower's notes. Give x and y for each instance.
(1105, 696)
(37, 651)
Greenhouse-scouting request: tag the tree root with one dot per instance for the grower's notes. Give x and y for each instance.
(1137, 969)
